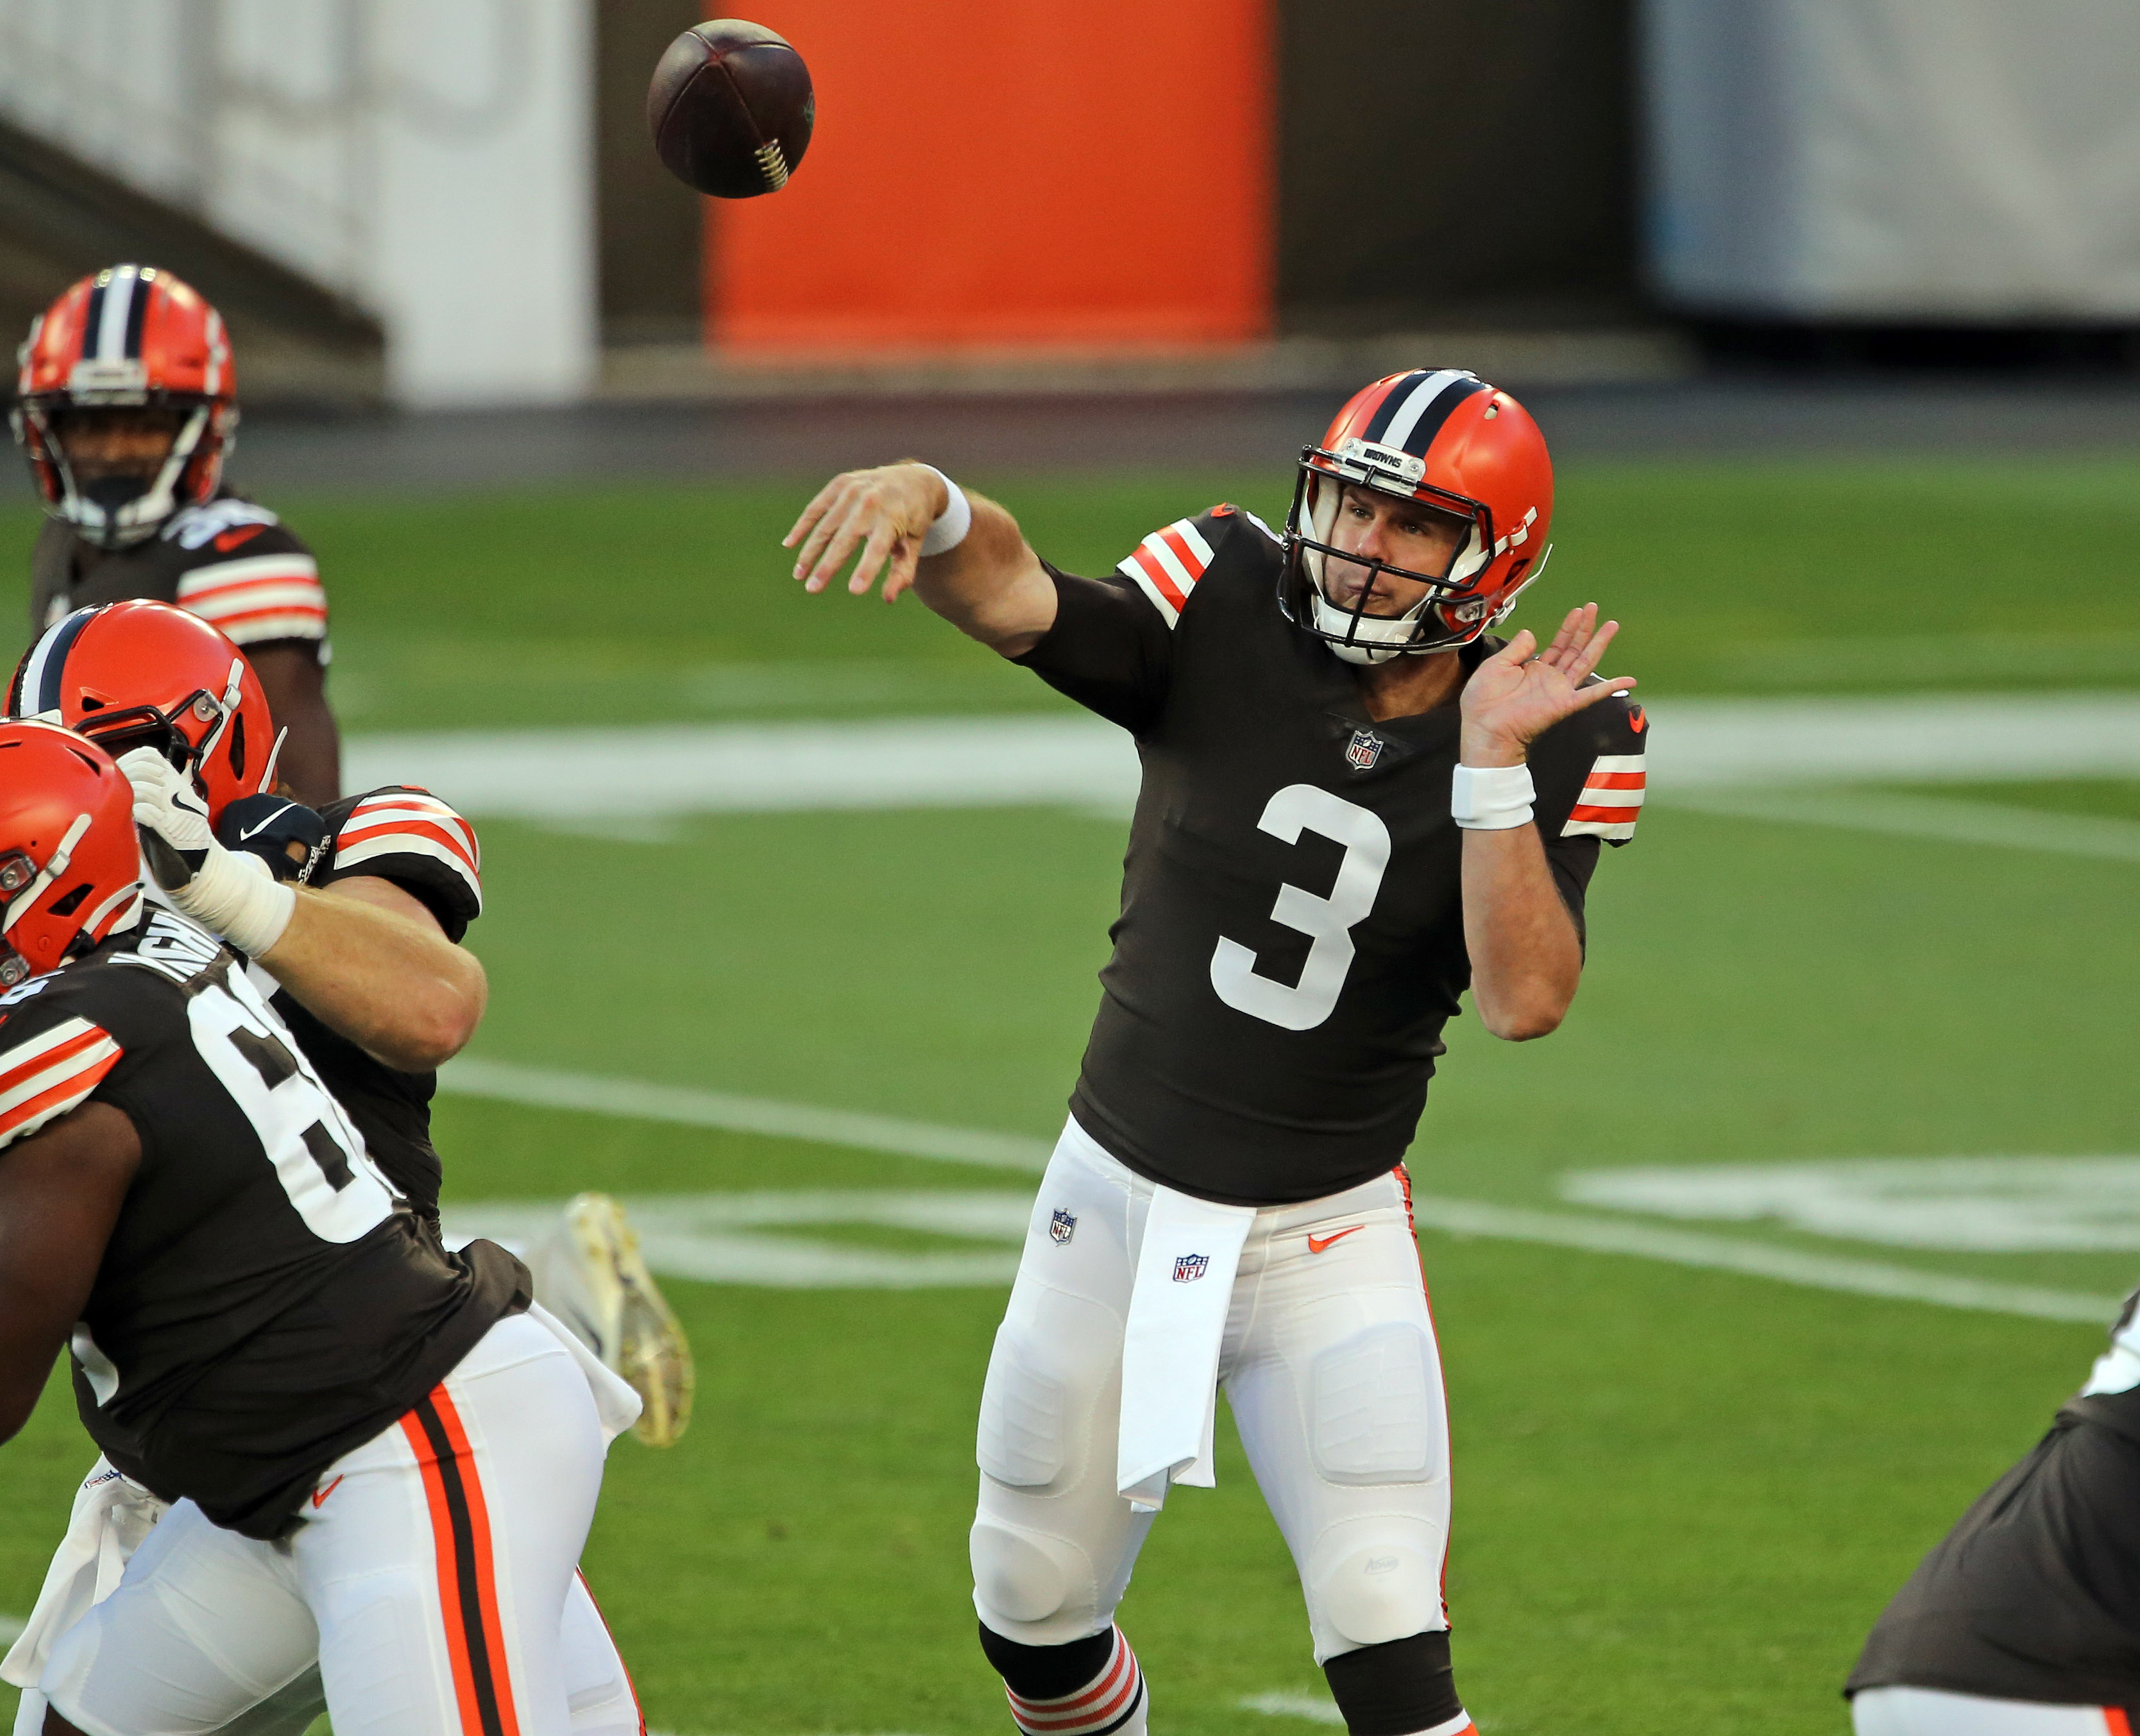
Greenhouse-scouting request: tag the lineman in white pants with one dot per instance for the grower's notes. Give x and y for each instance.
(1355, 804)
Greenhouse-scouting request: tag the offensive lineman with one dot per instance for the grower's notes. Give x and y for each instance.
(377, 1456)
(1353, 804)
(370, 980)
(2024, 1620)
(126, 406)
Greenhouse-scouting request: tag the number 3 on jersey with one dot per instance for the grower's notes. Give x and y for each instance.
(1329, 921)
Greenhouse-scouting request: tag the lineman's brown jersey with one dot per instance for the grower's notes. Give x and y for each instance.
(264, 1303)
(232, 563)
(409, 837)
(1291, 939)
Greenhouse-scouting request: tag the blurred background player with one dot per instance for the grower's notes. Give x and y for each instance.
(1227, 1204)
(360, 1434)
(2025, 1621)
(127, 407)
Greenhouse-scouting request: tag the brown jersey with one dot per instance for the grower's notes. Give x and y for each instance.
(407, 836)
(235, 564)
(1291, 940)
(2035, 1594)
(264, 1303)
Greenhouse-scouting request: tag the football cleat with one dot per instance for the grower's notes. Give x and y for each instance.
(588, 1271)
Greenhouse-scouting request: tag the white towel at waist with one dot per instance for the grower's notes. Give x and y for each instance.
(615, 1404)
(110, 1517)
(1170, 1344)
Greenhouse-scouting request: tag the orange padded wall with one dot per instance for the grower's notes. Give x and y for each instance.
(1012, 173)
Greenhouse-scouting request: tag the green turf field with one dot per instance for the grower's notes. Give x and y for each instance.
(1681, 1495)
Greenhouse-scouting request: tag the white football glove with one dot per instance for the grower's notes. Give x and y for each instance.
(234, 893)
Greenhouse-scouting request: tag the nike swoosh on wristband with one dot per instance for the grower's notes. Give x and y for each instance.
(271, 818)
(1316, 1244)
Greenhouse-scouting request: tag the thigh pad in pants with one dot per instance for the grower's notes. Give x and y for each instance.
(1052, 1542)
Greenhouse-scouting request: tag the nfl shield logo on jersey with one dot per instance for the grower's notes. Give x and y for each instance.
(1364, 749)
(1062, 1226)
(1187, 1267)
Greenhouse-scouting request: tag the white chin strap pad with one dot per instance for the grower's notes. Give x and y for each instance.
(1372, 638)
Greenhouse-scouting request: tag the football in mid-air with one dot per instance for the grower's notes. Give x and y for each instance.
(731, 108)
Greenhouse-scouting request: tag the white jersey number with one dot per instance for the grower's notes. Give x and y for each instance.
(1297, 808)
(318, 1155)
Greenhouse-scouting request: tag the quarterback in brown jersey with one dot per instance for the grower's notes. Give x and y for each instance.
(1355, 804)
(126, 406)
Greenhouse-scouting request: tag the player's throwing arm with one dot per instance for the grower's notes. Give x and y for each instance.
(1356, 805)
(962, 555)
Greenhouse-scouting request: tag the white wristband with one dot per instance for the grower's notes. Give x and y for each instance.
(237, 895)
(1491, 798)
(953, 523)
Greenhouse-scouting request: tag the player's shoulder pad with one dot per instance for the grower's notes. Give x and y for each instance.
(55, 1050)
(247, 572)
(403, 833)
(1614, 735)
(197, 527)
(1170, 563)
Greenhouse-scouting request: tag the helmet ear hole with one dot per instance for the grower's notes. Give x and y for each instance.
(238, 745)
(67, 905)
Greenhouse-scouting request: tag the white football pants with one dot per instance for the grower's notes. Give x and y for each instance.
(1933, 1712)
(430, 1582)
(1330, 1366)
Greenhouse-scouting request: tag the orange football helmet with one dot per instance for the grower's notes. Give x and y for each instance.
(131, 338)
(1450, 441)
(144, 674)
(70, 864)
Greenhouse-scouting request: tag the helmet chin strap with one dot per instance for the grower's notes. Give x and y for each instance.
(1367, 639)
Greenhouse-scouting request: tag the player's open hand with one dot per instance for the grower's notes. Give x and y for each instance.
(883, 513)
(1520, 691)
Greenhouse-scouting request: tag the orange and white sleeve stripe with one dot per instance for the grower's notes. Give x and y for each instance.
(50, 1073)
(260, 598)
(410, 822)
(1611, 798)
(1166, 566)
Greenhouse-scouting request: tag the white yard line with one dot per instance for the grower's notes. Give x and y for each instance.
(541, 1088)
(1078, 762)
(11, 1629)
(544, 1088)
(1759, 1259)
(1923, 817)
(1316, 1709)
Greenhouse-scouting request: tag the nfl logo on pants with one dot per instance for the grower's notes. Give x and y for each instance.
(1062, 1226)
(1187, 1267)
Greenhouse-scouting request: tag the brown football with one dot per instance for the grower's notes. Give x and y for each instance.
(731, 108)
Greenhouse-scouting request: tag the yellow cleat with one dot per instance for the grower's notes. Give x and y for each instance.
(589, 1273)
